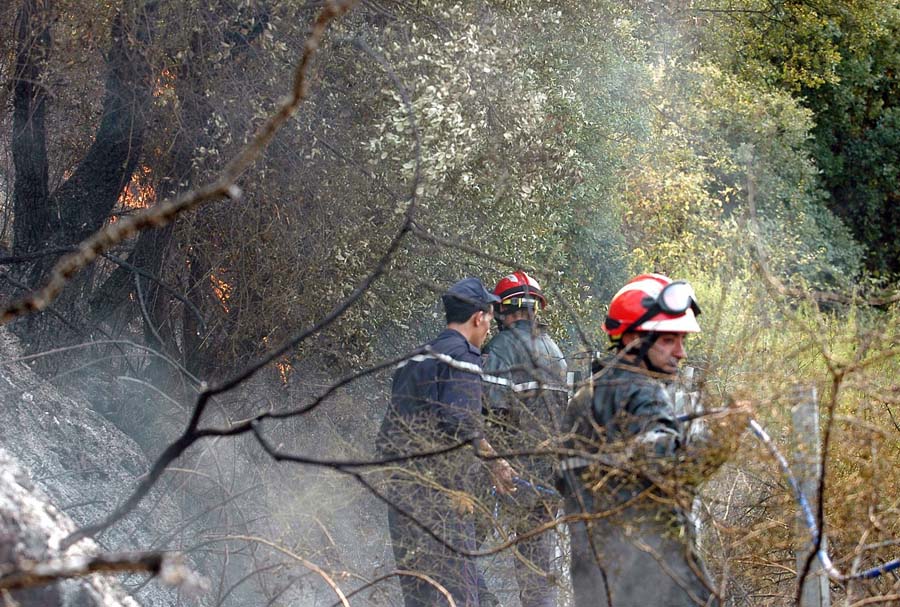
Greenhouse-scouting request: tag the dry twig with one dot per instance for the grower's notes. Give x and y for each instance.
(168, 568)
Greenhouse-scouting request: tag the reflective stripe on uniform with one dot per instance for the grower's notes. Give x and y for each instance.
(574, 463)
(476, 370)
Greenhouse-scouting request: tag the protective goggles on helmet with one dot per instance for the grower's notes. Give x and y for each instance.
(675, 298)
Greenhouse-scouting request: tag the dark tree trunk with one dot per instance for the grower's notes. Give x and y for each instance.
(29, 136)
(194, 358)
(152, 247)
(84, 201)
(147, 258)
(82, 204)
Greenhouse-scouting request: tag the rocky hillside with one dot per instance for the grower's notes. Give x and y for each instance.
(31, 530)
(63, 465)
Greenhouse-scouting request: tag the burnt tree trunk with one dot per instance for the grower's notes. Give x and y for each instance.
(29, 137)
(84, 201)
(51, 221)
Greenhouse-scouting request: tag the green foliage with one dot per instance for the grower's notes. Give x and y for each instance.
(759, 345)
(858, 139)
(687, 195)
(841, 60)
(511, 163)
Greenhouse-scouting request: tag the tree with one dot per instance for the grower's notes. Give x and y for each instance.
(840, 60)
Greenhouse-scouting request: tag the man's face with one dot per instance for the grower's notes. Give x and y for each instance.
(667, 351)
(482, 327)
(509, 318)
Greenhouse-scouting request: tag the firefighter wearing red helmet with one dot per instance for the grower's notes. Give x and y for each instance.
(649, 318)
(526, 418)
(637, 550)
(519, 291)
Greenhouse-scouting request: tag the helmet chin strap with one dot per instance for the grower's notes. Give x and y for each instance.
(643, 354)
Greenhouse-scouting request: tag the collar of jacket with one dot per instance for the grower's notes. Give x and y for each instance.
(454, 335)
(524, 324)
(626, 364)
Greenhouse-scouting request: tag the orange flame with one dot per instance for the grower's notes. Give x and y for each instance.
(165, 84)
(222, 290)
(284, 370)
(139, 192)
(284, 367)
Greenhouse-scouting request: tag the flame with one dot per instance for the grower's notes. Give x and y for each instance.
(139, 192)
(284, 367)
(222, 290)
(165, 84)
(284, 370)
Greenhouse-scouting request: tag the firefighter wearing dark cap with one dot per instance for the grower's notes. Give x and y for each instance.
(435, 405)
(523, 416)
(633, 483)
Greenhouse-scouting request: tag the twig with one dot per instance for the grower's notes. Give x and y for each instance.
(30, 575)
(875, 600)
(429, 580)
(342, 465)
(224, 186)
(308, 564)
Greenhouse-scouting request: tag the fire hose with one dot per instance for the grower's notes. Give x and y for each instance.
(809, 518)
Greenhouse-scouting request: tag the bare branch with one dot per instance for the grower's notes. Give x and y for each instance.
(877, 600)
(169, 568)
(224, 186)
(308, 564)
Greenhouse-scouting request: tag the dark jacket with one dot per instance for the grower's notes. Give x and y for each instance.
(644, 552)
(433, 405)
(530, 418)
(624, 403)
(524, 355)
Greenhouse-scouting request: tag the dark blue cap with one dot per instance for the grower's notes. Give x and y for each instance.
(471, 291)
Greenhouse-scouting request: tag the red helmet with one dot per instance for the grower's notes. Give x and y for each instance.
(519, 289)
(652, 302)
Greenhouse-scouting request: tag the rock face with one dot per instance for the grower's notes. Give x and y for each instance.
(83, 466)
(31, 529)
(78, 462)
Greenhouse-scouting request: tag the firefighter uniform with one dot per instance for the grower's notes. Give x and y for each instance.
(435, 405)
(636, 550)
(528, 419)
(633, 486)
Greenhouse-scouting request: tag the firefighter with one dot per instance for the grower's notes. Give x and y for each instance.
(526, 418)
(435, 405)
(634, 548)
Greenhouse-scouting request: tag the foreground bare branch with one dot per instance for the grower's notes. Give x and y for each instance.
(224, 186)
(167, 567)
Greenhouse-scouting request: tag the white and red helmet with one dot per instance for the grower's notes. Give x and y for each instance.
(520, 290)
(653, 302)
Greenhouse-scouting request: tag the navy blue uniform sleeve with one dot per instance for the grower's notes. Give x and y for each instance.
(459, 400)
